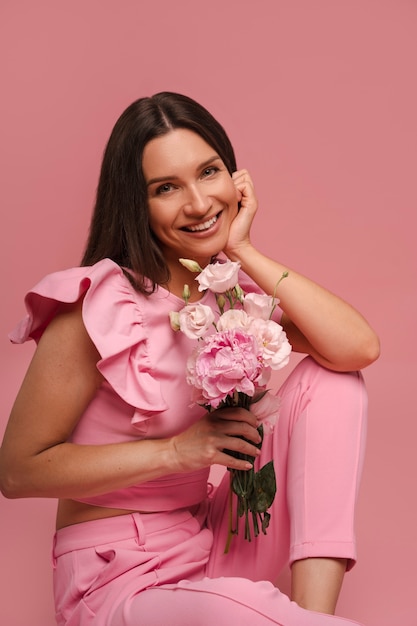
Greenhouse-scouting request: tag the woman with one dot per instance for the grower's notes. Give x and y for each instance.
(103, 420)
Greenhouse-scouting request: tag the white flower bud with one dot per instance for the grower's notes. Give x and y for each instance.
(239, 292)
(221, 301)
(191, 265)
(186, 293)
(174, 318)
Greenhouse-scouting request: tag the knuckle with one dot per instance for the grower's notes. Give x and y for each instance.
(242, 446)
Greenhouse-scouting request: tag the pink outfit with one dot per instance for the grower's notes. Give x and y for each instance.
(168, 568)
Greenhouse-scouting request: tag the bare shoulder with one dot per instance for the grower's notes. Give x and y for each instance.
(67, 344)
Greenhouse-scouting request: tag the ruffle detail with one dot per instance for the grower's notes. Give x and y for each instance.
(114, 322)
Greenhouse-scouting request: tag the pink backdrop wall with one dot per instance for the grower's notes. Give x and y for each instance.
(320, 101)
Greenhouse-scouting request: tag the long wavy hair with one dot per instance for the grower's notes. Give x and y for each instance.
(120, 227)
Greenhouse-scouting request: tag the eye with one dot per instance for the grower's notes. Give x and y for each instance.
(165, 188)
(209, 171)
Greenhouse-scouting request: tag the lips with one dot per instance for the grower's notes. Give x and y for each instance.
(198, 228)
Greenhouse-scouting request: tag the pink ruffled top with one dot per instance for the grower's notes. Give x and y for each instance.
(144, 394)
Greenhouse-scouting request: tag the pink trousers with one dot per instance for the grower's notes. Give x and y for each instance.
(169, 569)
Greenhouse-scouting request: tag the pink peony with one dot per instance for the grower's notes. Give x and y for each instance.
(219, 277)
(259, 305)
(225, 363)
(195, 320)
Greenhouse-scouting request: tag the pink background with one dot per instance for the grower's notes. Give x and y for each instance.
(320, 101)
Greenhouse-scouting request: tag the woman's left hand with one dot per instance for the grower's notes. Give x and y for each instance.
(316, 321)
(239, 234)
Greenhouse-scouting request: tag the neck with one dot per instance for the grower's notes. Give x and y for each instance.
(180, 276)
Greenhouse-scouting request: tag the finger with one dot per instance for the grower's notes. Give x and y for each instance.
(238, 445)
(232, 462)
(238, 429)
(243, 180)
(247, 191)
(239, 174)
(237, 453)
(234, 414)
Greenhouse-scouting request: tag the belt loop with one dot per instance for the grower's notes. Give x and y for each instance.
(140, 528)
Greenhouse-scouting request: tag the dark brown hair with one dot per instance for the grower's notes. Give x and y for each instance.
(119, 227)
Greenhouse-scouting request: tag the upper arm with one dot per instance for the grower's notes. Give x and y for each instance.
(61, 380)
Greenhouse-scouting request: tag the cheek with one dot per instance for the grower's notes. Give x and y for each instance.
(158, 216)
(157, 229)
(232, 195)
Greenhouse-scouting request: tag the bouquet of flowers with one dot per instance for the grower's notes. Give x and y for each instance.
(238, 346)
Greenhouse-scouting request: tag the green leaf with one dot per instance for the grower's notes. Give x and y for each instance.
(265, 522)
(264, 489)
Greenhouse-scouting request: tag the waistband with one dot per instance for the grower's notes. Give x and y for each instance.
(132, 525)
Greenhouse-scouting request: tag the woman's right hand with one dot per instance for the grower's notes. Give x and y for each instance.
(207, 441)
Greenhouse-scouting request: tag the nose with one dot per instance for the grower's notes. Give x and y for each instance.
(197, 202)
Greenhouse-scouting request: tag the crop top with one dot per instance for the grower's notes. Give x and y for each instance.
(144, 394)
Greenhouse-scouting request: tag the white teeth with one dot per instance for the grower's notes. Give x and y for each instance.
(203, 226)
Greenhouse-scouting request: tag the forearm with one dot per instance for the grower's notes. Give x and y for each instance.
(69, 470)
(321, 323)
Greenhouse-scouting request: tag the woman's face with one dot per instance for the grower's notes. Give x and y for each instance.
(191, 196)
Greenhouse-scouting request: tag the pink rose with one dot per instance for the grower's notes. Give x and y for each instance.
(225, 363)
(259, 305)
(266, 410)
(219, 277)
(272, 340)
(195, 320)
(233, 318)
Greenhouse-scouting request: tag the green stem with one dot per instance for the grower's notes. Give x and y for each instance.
(230, 524)
(284, 275)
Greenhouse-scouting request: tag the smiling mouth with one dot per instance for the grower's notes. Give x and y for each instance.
(201, 227)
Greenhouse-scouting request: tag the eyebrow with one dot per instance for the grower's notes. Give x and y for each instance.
(201, 166)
